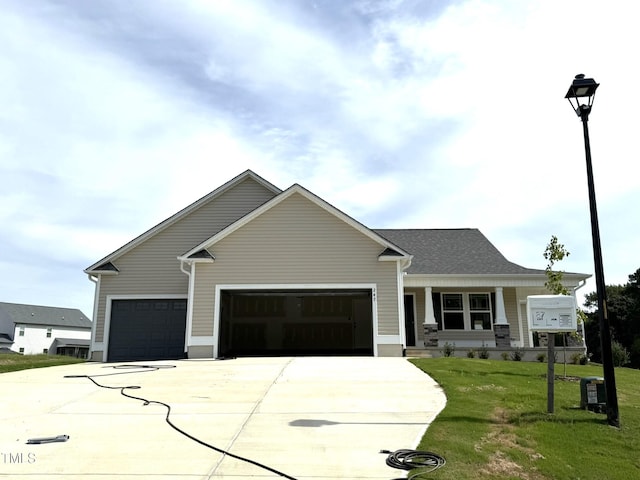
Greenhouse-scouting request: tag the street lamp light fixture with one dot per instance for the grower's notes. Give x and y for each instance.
(580, 95)
(582, 88)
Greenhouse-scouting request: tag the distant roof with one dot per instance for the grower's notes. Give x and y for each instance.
(458, 251)
(72, 342)
(41, 315)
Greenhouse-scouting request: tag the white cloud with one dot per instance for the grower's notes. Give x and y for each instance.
(116, 115)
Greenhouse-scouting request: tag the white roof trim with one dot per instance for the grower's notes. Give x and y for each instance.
(177, 216)
(296, 189)
(496, 280)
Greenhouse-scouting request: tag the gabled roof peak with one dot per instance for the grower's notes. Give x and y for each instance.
(98, 267)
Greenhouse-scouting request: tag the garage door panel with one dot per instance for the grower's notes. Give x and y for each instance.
(147, 329)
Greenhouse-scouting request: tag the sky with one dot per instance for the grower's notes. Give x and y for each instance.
(115, 114)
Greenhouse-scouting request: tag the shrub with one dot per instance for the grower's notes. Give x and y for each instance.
(516, 354)
(620, 354)
(483, 352)
(505, 355)
(541, 357)
(449, 349)
(578, 359)
(471, 353)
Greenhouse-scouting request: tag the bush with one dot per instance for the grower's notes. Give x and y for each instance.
(620, 354)
(505, 355)
(483, 352)
(541, 357)
(449, 349)
(578, 359)
(516, 354)
(471, 353)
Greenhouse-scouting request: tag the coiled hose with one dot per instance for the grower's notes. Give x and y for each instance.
(405, 459)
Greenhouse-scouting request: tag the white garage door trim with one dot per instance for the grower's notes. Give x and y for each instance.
(107, 315)
(294, 286)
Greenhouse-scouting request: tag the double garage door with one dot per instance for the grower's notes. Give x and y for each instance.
(252, 323)
(286, 322)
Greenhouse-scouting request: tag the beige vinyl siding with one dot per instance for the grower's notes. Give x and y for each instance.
(511, 310)
(297, 242)
(525, 325)
(152, 268)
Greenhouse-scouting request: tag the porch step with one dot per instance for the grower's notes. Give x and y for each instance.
(417, 352)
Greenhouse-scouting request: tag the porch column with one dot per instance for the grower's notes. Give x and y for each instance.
(501, 316)
(429, 312)
(501, 327)
(430, 325)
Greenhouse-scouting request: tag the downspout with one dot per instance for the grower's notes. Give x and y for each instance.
(188, 273)
(403, 264)
(94, 323)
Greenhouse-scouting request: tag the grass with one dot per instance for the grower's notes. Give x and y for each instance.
(10, 362)
(496, 425)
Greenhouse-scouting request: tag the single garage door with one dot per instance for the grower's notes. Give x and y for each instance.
(149, 329)
(284, 322)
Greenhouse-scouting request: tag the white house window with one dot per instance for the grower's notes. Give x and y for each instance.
(453, 311)
(21, 331)
(480, 311)
(466, 311)
(21, 350)
(45, 350)
(49, 330)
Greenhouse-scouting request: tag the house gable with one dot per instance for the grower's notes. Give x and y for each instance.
(201, 219)
(147, 267)
(388, 250)
(297, 242)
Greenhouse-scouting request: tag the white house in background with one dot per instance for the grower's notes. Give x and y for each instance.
(34, 329)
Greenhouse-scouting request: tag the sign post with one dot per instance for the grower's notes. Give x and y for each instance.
(551, 314)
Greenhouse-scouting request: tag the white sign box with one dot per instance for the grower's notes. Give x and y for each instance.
(552, 313)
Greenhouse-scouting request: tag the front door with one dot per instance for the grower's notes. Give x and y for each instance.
(410, 320)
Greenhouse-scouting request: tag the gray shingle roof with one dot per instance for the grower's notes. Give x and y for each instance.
(464, 251)
(41, 315)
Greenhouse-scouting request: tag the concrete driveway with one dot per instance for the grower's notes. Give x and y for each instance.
(307, 417)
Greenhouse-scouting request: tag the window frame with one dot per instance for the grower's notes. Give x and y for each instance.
(467, 311)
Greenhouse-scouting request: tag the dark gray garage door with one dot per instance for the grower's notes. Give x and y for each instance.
(307, 322)
(147, 329)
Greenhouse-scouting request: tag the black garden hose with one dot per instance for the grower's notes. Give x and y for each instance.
(405, 459)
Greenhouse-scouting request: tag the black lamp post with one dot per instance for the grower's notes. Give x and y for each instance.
(580, 96)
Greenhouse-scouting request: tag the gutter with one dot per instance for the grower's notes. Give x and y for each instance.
(96, 280)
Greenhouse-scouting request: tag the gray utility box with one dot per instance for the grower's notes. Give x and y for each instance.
(592, 394)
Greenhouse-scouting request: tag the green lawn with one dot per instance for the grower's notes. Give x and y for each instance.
(10, 362)
(495, 423)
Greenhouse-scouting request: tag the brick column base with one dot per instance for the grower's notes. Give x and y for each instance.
(503, 335)
(430, 334)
